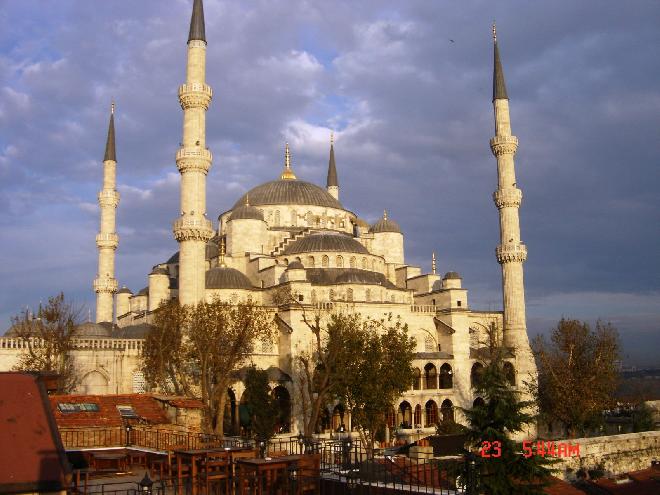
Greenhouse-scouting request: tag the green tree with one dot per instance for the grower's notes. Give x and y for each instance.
(48, 341)
(261, 405)
(490, 426)
(578, 373)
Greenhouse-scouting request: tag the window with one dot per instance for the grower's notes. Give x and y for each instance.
(367, 295)
(340, 262)
(430, 376)
(352, 262)
(294, 218)
(458, 303)
(139, 384)
(446, 376)
(277, 218)
(510, 373)
(429, 344)
(349, 294)
(301, 298)
(325, 261)
(475, 374)
(68, 407)
(314, 296)
(332, 294)
(127, 412)
(447, 411)
(417, 379)
(267, 347)
(417, 416)
(431, 413)
(310, 261)
(364, 263)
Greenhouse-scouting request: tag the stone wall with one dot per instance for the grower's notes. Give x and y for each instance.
(616, 454)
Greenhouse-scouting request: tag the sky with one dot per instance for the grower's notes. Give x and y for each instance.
(407, 89)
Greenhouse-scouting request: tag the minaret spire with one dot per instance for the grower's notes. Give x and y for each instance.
(287, 173)
(105, 284)
(192, 229)
(433, 267)
(511, 252)
(332, 184)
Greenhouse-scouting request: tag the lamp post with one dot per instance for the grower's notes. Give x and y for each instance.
(301, 443)
(128, 434)
(262, 448)
(146, 485)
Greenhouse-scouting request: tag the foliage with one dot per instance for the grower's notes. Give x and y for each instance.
(47, 338)
(449, 427)
(501, 415)
(578, 373)
(195, 350)
(642, 418)
(261, 404)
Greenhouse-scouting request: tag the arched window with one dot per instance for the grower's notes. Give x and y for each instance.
(277, 218)
(429, 344)
(352, 262)
(332, 294)
(267, 346)
(310, 261)
(349, 294)
(509, 373)
(431, 413)
(139, 383)
(475, 374)
(294, 218)
(283, 404)
(447, 411)
(392, 298)
(309, 218)
(446, 376)
(286, 262)
(417, 379)
(430, 376)
(367, 295)
(314, 300)
(325, 261)
(340, 262)
(417, 418)
(405, 415)
(364, 263)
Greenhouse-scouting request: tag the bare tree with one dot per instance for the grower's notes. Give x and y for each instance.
(48, 341)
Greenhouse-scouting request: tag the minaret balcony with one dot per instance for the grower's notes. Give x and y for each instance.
(193, 158)
(507, 197)
(104, 240)
(504, 145)
(195, 95)
(108, 197)
(104, 284)
(511, 253)
(192, 228)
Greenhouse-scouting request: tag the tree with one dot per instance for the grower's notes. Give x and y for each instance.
(196, 350)
(260, 403)
(491, 424)
(48, 341)
(578, 373)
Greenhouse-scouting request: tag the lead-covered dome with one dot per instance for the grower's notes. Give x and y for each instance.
(223, 277)
(289, 192)
(326, 241)
(246, 212)
(385, 225)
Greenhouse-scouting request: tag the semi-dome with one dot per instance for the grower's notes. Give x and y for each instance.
(223, 277)
(385, 225)
(333, 276)
(289, 192)
(246, 212)
(326, 241)
(93, 330)
(451, 275)
(159, 270)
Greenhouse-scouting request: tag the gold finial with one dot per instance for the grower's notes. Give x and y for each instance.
(247, 199)
(332, 138)
(112, 107)
(287, 173)
(494, 33)
(384, 214)
(222, 252)
(433, 263)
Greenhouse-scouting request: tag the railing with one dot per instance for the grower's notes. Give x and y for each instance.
(77, 343)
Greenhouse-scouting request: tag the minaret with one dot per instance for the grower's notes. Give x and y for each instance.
(105, 284)
(333, 183)
(511, 253)
(192, 229)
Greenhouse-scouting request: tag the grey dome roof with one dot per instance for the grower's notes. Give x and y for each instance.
(143, 292)
(385, 225)
(159, 270)
(452, 275)
(246, 212)
(96, 330)
(326, 241)
(124, 290)
(289, 192)
(212, 251)
(139, 331)
(226, 278)
(332, 276)
(295, 265)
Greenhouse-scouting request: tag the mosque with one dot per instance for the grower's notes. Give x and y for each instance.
(290, 234)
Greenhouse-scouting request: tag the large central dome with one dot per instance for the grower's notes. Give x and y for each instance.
(289, 192)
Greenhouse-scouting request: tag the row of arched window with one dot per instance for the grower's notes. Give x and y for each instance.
(430, 378)
(369, 295)
(429, 415)
(274, 218)
(339, 262)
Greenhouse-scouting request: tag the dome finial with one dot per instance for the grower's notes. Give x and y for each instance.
(287, 173)
(433, 263)
(494, 33)
(384, 214)
(247, 199)
(332, 138)
(112, 107)
(222, 252)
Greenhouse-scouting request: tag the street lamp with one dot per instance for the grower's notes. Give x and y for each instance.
(146, 485)
(128, 434)
(301, 443)
(262, 448)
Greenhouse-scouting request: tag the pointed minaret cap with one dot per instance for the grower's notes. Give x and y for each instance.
(332, 168)
(222, 253)
(197, 30)
(433, 268)
(499, 88)
(287, 173)
(110, 153)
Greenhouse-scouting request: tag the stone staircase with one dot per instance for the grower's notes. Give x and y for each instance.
(279, 249)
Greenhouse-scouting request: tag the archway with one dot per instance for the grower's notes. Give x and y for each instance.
(431, 413)
(509, 373)
(446, 376)
(94, 383)
(417, 379)
(338, 417)
(475, 374)
(405, 415)
(417, 418)
(430, 376)
(447, 411)
(230, 423)
(283, 403)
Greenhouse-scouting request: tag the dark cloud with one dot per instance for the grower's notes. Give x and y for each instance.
(407, 88)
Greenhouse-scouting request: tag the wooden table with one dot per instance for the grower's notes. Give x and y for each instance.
(192, 458)
(115, 461)
(265, 473)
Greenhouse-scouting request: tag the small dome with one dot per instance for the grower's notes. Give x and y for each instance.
(226, 278)
(246, 212)
(289, 192)
(124, 290)
(95, 330)
(385, 225)
(295, 265)
(159, 270)
(452, 275)
(326, 241)
(143, 292)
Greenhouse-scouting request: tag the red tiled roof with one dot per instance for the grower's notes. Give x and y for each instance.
(644, 482)
(145, 406)
(186, 403)
(560, 487)
(32, 458)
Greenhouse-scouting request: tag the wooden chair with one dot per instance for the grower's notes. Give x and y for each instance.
(242, 483)
(217, 471)
(309, 473)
